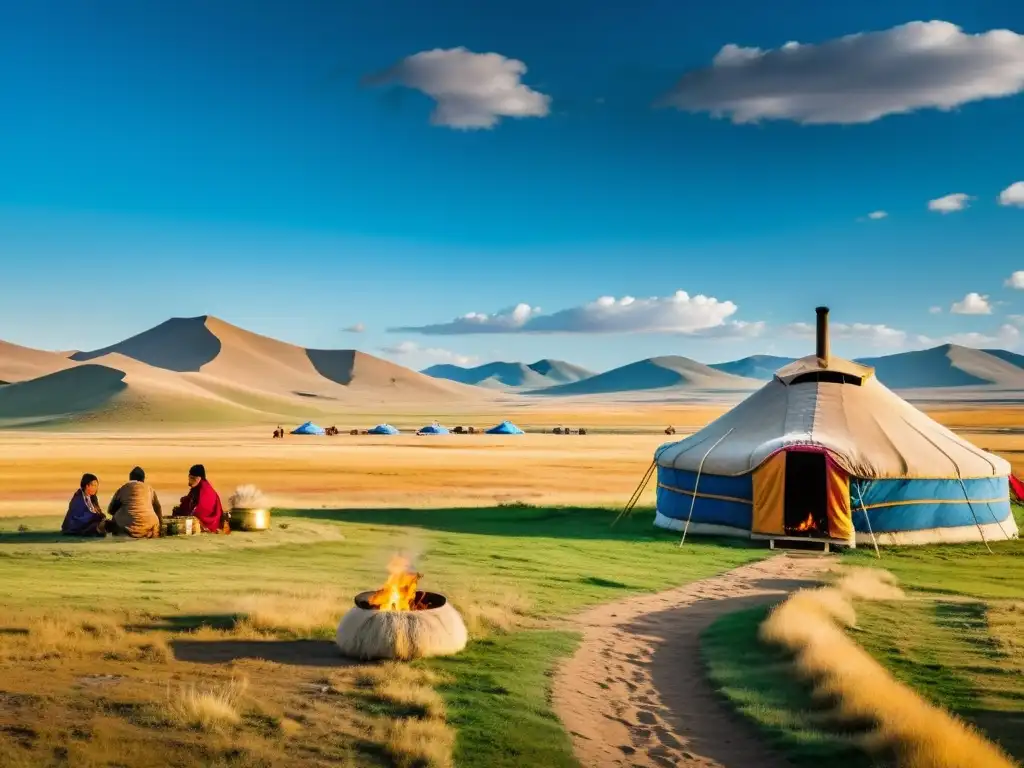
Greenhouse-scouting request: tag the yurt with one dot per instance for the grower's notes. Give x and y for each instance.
(309, 428)
(433, 429)
(505, 428)
(382, 429)
(824, 451)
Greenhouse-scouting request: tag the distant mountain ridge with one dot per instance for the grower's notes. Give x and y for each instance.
(505, 375)
(656, 373)
(944, 366)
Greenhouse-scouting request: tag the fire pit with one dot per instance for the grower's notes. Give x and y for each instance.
(399, 621)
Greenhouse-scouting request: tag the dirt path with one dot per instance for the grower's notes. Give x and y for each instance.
(635, 693)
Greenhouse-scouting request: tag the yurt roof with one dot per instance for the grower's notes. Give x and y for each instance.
(839, 406)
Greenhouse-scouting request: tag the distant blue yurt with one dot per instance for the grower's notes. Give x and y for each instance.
(505, 428)
(382, 429)
(826, 451)
(309, 428)
(433, 429)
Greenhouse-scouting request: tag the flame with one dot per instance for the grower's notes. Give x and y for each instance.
(399, 591)
(807, 524)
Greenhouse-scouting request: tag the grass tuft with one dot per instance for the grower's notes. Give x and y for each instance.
(210, 709)
(811, 625)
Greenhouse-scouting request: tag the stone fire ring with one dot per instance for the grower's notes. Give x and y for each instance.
(367, 633)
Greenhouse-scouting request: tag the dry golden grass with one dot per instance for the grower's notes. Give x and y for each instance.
(298, 615)
(73, 635)
(485, 614)
(417, 735)
(40, 470)
(210, 708)
(811, 624)
(1006, 624)
(415, 743)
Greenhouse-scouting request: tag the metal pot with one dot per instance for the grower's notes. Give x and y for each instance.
(250, 519)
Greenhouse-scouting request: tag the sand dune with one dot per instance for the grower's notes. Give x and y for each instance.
(204, 370)
(19, 363)
(503, 375)
(657, 373)
(209, 346)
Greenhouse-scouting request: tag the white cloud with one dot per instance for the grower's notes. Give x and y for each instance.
(877, 215)
(472, 90)
(1013, 195)
(1016, 280)
(357, 328)
(935, 310)
(857, 78)
(1005, 336)
(679, 313)
(950, 203)
(877, 335)
(972, 304)
(1017, 320)
(412, 354)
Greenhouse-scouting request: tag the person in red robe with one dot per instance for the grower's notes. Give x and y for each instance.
(203, 503)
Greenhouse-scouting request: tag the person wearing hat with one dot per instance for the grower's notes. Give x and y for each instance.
(203, 503)
(135, 509)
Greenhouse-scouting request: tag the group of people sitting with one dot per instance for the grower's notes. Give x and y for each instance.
(135, 509)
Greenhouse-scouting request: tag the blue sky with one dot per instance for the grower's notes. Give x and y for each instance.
(176, 159)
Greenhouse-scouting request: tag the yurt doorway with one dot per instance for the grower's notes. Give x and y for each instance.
(805, 505)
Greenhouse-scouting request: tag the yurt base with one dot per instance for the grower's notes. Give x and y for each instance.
(812, 542)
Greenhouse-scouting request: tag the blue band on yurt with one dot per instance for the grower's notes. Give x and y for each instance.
(915, 505)
(719, 500)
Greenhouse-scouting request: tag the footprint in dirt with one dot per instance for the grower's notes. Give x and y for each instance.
(640, 736)
(667, 738)
(645, 717)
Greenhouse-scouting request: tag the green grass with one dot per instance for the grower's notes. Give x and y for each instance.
(954, 642)
(757, 680)
(498, 701)
(553, 561)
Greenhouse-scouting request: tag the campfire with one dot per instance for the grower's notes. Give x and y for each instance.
(400, 621)
(807, 524)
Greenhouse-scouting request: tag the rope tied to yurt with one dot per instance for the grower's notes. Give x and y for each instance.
(696, 484)
(635, 498)
(963, 487)
(867, 517)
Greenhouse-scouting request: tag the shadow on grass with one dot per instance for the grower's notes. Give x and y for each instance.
(186, 623)
(296, 653)
(519, 521)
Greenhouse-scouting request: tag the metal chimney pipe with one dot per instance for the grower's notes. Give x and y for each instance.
(822, 336)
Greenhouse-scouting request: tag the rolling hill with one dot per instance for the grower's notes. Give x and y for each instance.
(948, 365)
(656, 373)
(762, 367)
(502, 375)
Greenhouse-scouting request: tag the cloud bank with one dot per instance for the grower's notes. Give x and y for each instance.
(411, 353)
(856, 78)
(472, 90)
(679, 313)
(1016, 280)
(875, 335)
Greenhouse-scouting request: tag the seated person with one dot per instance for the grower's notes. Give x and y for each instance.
(203, 503)
(84, 517)
(135, 509)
